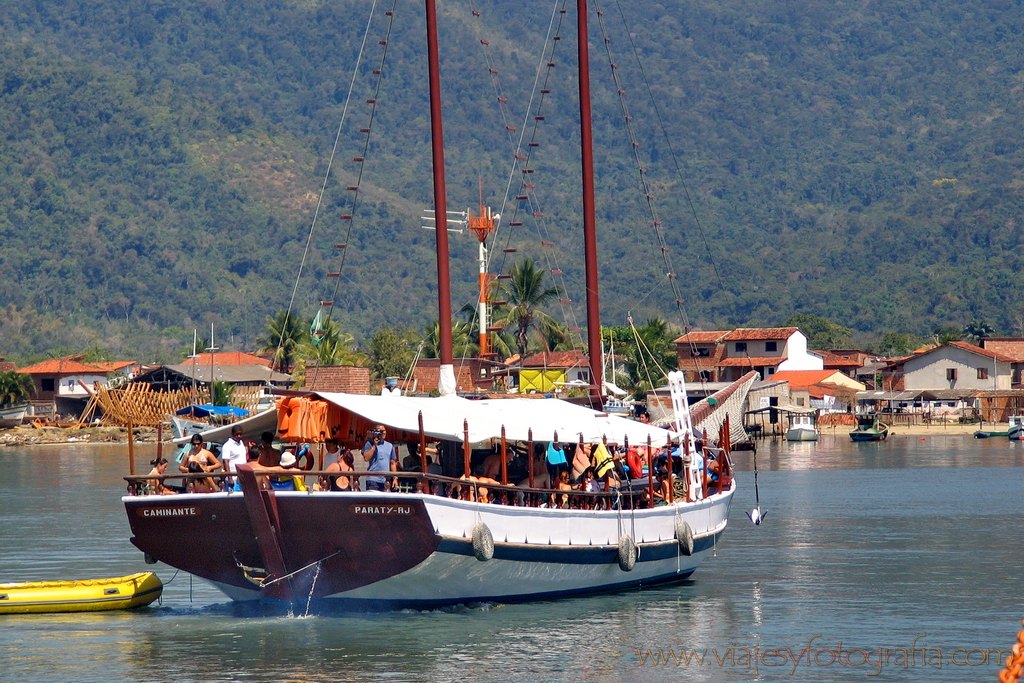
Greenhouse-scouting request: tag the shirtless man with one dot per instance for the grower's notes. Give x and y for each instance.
(269, 456)
(492, 465)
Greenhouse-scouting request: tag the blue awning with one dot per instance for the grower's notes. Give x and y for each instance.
(219, 411)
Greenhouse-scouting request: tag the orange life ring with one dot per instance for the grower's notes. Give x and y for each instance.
(306, 460)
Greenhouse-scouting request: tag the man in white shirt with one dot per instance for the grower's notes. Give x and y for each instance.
(234, 452)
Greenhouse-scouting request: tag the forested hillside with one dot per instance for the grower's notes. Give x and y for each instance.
(160, 163)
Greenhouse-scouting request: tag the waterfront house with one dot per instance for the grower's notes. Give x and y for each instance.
(63, 385)
(826, 390)
(954, 365)
(1012, 348)
(725, 356)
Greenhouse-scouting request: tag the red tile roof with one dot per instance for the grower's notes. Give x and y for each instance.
(59, 366)
(835, 361)
(802, 379)
(229, 358)
(702, 337)
(556, 359)
(980, 351)
(769, 333)
(114, 365)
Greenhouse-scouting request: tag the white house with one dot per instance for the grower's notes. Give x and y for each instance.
(957, 365)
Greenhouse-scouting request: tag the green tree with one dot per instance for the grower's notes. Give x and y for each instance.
(976, 330)
(822, 333)
(15, 387)
(465, 342)
(283, 336)
(649, 356)
(223, 393)
(947, 333)
(390, 353)
(896, 344)
(524, 293)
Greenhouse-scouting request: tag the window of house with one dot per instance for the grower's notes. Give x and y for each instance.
(800, 401)
(705, 375)
(951, 404)
(950, 373)
(771, 346)
(741, 347)
(701, 351)
(982, 373)
(47, 384)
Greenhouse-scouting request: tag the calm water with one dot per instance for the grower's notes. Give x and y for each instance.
(868, 544)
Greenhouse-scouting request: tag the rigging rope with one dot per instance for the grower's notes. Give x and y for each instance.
(522, 157)
(327, 174)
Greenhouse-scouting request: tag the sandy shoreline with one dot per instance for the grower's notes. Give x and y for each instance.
(27, 436)
(939, 429)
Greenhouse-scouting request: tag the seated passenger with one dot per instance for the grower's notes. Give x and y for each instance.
(157, 485)
(562, 500)
(661, 489)
(198, 460)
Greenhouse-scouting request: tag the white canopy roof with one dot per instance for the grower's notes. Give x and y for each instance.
(443, 418)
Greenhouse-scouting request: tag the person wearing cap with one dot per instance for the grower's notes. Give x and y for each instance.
(234, 452)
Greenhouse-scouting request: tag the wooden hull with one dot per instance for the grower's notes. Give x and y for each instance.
(367, 550)
(93, 595)
(869, 435)
(801, 434)
(12, 416)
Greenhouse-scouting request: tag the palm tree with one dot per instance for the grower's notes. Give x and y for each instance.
(464, 341)
(524, 293)
(222, 393)
(15, 387)
(650, 355)
(283, 335)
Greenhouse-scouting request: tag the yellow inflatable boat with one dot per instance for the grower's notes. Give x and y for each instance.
(91, 595)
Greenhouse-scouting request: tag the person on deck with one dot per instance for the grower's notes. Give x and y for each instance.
(343, 463)
(234, 452)
(157, 485)
(381, 456)
(197, 460)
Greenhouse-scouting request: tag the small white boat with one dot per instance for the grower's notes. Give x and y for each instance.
(1016, 431)
(12, 416)
(801, 428)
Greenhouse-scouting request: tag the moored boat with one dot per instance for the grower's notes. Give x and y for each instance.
(88, 595)
(870, 428)
(12, 416)
(1016, 430)
(802, 428)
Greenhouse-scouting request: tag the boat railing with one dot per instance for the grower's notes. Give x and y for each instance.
(634, 494)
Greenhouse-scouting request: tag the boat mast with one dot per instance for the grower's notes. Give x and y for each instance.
(589, 218)
(446, 379)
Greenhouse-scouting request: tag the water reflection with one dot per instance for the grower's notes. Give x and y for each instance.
(868, 543)
(901, 452)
